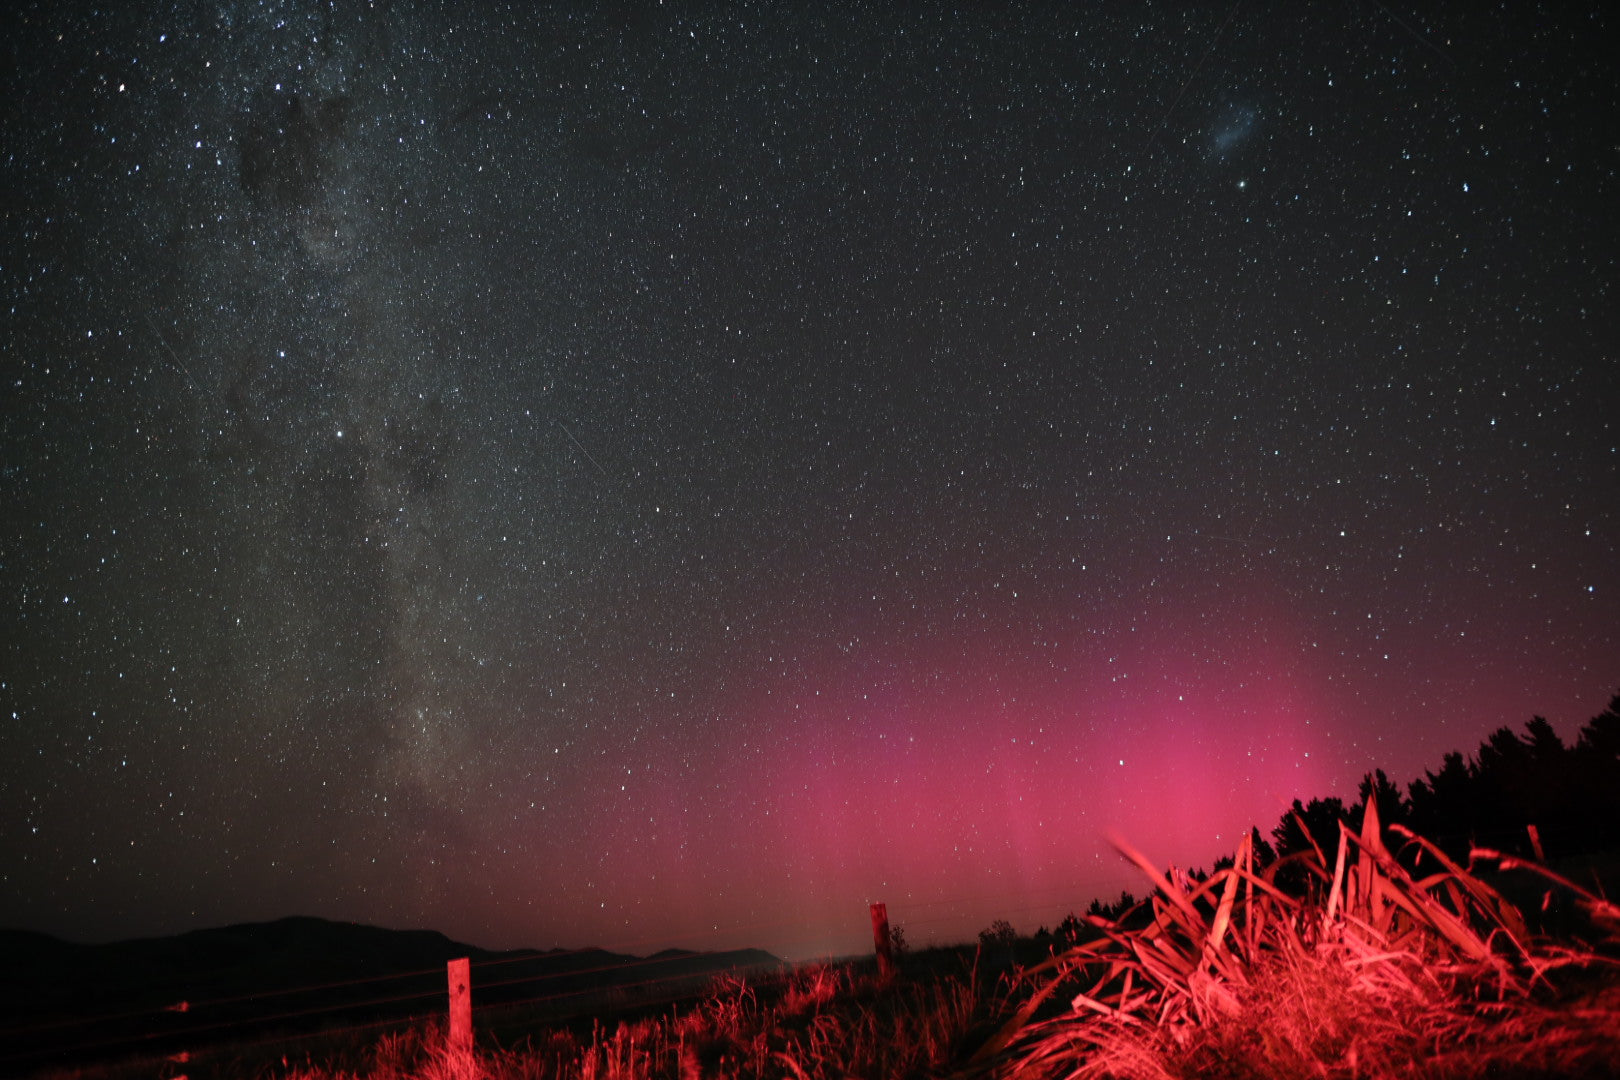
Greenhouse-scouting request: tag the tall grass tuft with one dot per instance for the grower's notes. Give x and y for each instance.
(1379, 967)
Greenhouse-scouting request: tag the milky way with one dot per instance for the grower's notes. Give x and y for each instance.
(673, 477)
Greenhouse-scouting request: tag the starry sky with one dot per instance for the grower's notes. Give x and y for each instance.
(643, 475)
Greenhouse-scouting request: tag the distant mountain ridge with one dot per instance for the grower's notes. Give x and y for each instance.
(64, 1001)
(248, 957)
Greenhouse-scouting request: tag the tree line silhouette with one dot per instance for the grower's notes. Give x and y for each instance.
(1570, 794)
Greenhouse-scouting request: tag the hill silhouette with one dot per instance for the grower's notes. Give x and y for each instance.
(67, 1003)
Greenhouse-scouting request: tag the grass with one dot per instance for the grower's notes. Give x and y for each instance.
(817, 1022)
(1379, 968)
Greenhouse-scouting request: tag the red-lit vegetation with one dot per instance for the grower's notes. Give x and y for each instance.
(818, 1021)
(1379, 967)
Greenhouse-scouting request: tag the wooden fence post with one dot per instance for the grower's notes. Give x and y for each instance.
(881, 941)
(460, 1041)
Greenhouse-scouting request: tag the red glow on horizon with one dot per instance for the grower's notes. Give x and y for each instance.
(962, 789)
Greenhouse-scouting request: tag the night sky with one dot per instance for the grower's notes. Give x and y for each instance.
(671, 475)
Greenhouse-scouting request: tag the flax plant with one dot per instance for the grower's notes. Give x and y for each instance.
(1372, 970)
